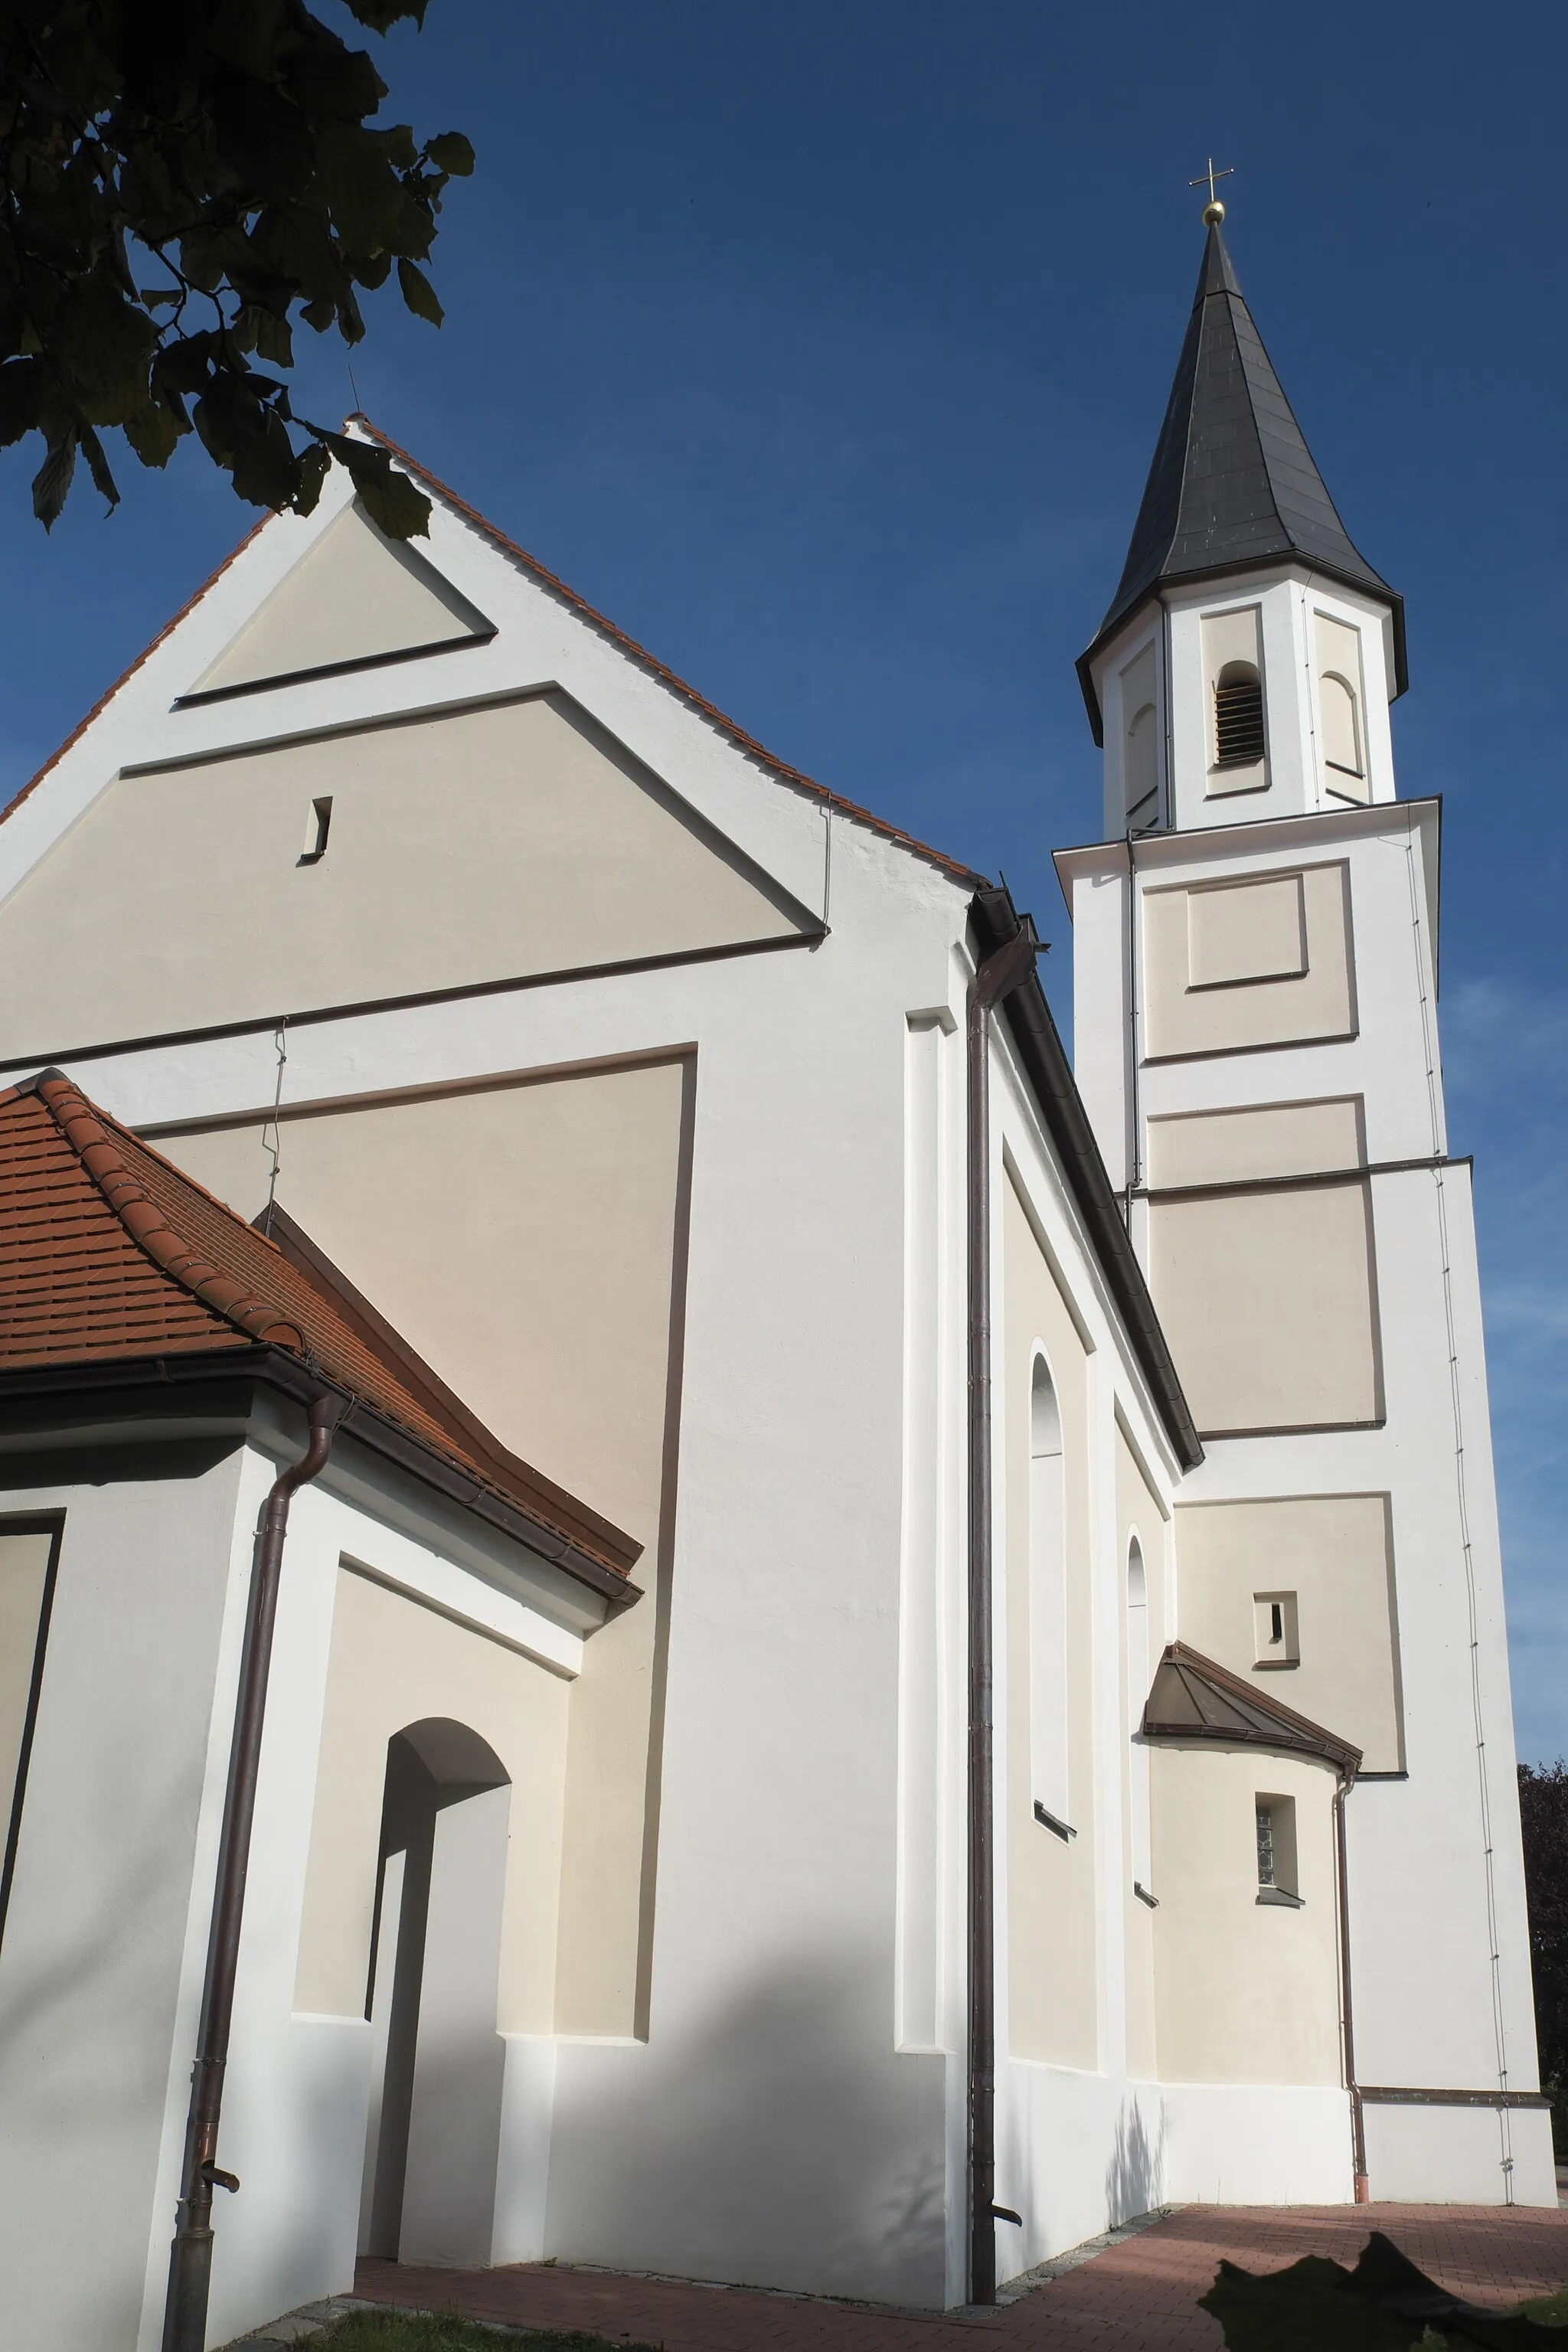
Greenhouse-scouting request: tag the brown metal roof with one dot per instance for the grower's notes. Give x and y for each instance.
(109, 1251)
(1193, 1699)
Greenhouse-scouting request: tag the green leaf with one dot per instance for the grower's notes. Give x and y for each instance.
(319, 315)
(154, 433)
(451, 153)
(418, 293)
(389, 498)
(52, 480)
(314, 467)
(97, 466)
(380, 15)
(24, 388)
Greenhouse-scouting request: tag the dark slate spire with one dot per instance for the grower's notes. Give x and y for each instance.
(1233, 485)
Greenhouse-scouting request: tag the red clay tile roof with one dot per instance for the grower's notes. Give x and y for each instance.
(737, 734)
(109, 1251)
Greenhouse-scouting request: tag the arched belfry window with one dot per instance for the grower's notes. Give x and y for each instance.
(1239, 740)
(1340, 717)
(1047, 1605)
(1137, 1695)
(1143, 762)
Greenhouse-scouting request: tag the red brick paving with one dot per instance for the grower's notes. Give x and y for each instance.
(1137, 2296)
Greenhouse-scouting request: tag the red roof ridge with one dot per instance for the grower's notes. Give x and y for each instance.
(731, 726)
(149, 1228)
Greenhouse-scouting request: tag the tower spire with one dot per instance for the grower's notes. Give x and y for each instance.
(1233, 486)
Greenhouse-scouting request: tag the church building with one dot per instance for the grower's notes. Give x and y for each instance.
(671, 1597)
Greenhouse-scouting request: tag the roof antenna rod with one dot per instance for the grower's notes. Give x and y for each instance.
(354, 388)
(270, 1125)
(1213, 211)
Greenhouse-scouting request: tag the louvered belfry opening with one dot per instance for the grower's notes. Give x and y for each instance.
(1237, 716)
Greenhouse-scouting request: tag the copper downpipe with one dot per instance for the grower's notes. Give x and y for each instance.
(996, 978)
(190, 2258)
(1358, 2123)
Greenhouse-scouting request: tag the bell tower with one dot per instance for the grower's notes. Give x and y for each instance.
(1246, 663)
(1256, 967)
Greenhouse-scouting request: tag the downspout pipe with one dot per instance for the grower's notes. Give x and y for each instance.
(996, 977)
(190, 2259)
(1358, 2120)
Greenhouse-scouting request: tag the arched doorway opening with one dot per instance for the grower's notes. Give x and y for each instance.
(434, 2128)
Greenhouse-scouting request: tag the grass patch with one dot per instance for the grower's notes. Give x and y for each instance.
(448, 2331)
(1550, 2309)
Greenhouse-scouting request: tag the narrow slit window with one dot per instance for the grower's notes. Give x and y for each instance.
(1275, 1637)
(1238, 739)
(317, 825)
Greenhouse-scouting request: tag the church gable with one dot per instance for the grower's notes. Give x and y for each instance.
(444, 851)
(356, 599)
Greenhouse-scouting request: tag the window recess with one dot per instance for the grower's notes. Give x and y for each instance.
(1277, 1874)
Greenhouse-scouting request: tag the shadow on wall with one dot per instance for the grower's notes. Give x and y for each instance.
(1135, 2175)
(774, 2138)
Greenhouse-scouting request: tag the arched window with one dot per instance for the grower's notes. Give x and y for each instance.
(1143, 768)
(1137, 1694)
(1047, 1603)
(1239, 740)
(1342, 731)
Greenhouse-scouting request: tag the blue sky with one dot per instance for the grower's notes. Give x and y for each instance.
(824, 347)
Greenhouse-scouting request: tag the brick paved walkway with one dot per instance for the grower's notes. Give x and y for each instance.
(1138, 2295)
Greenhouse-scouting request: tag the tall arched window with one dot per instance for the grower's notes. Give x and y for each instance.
(1047, 1601)
(1143, 769)
(1237, 716)
(1137, 1692)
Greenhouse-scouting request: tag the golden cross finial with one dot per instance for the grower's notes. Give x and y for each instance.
(1213, 211)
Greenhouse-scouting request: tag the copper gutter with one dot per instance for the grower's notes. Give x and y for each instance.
(190, 2258)
(999, 974)
(1358, 2121)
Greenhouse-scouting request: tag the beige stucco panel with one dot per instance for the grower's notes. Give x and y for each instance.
(393, 1662)
(550, 1308)
(23, 1574)
(546, 1304)
(1053, 1999)
(1137, 1513)
(1318, 1002)
(1246, 1992)
(1216, 1147)
(1267, 1301)
(1335, 1553)
(481, 846)
(352, 595)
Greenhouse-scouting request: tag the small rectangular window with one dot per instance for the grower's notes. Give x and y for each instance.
(318, 824)
(1275, 1640)
(1277, 1873)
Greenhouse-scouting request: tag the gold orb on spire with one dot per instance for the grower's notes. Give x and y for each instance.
(1213, 211)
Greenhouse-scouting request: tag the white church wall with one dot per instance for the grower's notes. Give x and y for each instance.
(96, 1984)
(1053, 1957)
(433, 1638)
(1239, 2144)
(1461, 2156)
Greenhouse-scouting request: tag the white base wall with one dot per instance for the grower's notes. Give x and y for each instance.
(1076, 2154)
(1454, 2156)
(1258, 2144)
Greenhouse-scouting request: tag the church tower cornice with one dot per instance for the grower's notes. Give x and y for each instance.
(1233, 488)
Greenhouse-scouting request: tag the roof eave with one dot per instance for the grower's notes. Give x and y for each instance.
(280, 1369)
(1055, 1089)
